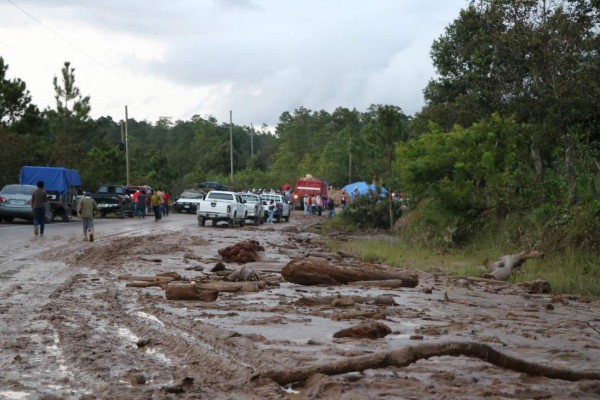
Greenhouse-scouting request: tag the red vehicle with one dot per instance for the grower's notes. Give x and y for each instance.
(308, 186)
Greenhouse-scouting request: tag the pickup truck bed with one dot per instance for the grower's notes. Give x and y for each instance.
(221, 206)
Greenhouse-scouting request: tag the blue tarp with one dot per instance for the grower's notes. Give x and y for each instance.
(362, 188)
(56, 179)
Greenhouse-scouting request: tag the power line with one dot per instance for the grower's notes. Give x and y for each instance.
(88, 55)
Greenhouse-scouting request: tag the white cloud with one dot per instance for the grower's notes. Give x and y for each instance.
(258, 58)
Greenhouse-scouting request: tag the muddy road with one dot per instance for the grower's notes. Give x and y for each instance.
(71, 329)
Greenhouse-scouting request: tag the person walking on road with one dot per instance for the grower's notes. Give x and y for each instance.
(39, 203)
(156, 205)
(142, 201)
(86, 208)
(271, 211)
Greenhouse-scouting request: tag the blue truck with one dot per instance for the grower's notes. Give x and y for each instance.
(63, 186)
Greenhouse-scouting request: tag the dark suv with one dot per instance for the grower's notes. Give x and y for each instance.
(211, 185)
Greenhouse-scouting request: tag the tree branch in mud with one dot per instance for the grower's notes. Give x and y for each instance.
(305, 272)
(506, 265)
(410, 354)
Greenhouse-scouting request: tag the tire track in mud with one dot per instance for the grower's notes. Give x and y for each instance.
(100, 338)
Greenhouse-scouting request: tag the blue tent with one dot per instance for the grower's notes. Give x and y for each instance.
(362, 188)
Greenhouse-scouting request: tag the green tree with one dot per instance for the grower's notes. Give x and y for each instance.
(536, 60)
(69, 121)
(14, 97)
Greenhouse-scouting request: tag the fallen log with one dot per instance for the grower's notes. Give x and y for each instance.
(231, 287)
(506, 265)
(411, 354)
(190, 292)
(305, 272)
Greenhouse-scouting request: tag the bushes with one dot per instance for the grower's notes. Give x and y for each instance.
(366, 213)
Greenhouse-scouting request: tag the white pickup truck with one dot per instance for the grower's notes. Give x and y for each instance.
(221, 205)
(254, 207)
(282, 209)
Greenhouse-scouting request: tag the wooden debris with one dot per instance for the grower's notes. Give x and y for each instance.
(222, 286)
(242, 252)
(367, 330)
(317, 273)
(538, 286)
(506, 265)
(190, 292)
(411, 354)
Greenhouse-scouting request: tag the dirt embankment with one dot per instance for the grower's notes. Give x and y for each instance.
(75, 330)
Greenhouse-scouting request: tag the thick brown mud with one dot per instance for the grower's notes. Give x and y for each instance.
(70, 329)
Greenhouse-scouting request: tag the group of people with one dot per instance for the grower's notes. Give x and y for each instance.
(315, 205)
(87, 208)
(159, 201)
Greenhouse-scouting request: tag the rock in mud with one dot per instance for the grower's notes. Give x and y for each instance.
(367, 330)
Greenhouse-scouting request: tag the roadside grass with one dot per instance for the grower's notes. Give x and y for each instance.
(571, 272)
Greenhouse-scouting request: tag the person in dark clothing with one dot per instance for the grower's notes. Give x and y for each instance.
(39, 203)
(142, 201)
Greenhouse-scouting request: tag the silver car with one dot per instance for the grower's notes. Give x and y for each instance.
(15, 202)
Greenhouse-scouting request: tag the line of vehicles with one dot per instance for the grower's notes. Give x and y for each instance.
(235, 208)
(64, 190)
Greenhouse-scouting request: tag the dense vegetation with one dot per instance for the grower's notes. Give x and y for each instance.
(505, 149)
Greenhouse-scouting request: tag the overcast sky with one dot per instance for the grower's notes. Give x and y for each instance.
(258, 58)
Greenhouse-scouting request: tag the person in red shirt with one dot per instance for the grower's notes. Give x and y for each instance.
(135, 196)
(166, 203)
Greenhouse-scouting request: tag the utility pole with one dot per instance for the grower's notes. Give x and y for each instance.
(350, 161)
(231, 141)
(251, 140)
(126, 146)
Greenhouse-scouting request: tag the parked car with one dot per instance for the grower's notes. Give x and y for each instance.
(254, 207)
(188, 201)
(15, 202)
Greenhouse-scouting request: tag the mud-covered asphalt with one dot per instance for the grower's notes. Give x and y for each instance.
(70, 329)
